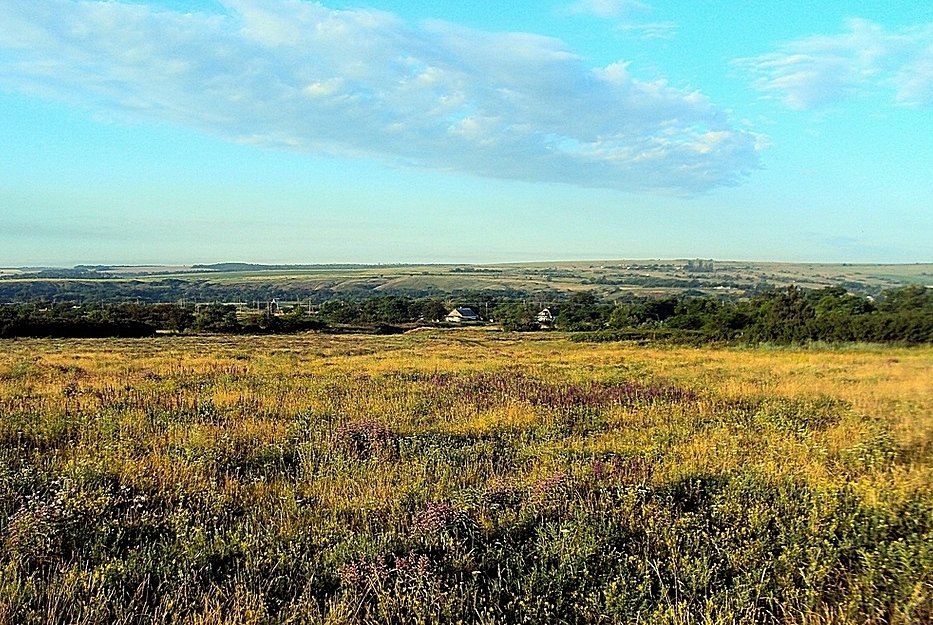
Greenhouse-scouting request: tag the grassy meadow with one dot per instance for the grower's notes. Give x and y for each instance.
(463, 476)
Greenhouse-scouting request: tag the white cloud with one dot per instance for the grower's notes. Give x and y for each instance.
(297, 75)
(649, 30)
(621, 13)
(607, 8)
(824, 69)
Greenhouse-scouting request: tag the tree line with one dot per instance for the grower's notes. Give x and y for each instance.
(788, 315)
(63, 320)
(783, 316)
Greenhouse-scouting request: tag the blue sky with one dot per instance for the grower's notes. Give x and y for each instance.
(290, 131)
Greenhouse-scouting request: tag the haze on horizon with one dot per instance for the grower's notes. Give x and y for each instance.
(288, 131)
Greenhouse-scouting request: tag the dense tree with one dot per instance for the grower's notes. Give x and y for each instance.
(782, 316)
(516, 316)
(340, 311)
(789, 315)
(64, 321)
(431, 309)
(216, 318)
(913, 297)
(583, 312)
(694, 313)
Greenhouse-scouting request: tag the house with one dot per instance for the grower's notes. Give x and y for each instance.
(546, 317)
(461, 314)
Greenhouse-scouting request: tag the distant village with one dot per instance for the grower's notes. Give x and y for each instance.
(788, 315)
(459, 315)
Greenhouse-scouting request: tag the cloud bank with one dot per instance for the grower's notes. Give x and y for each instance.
(293, 74)
(866, 59)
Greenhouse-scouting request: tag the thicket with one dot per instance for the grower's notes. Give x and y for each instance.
(779, 316)
(67, 321)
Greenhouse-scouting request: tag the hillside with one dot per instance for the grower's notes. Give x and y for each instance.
(607, 279)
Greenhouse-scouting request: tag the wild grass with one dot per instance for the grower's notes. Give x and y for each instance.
(465, 476)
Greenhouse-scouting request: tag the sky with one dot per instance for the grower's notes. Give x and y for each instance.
(383, 131)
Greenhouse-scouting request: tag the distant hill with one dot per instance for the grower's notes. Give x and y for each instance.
(239, 267)
(609, 280)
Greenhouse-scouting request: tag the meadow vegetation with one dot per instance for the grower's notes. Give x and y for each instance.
(463, 476)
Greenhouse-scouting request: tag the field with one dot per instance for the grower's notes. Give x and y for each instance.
(463, 476)
(608, 279)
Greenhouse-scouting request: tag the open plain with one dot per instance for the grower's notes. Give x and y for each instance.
(463, 476)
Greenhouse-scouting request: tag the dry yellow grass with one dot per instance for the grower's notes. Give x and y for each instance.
(257, 427)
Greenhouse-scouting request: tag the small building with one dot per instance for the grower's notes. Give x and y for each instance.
(461, 314)
(546, 317)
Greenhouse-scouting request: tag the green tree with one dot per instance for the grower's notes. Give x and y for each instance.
(515, 316)
(431, 309)
(340, 311)
(219, 318)
(583, 312)
(913, 297)
(783, 316)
